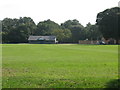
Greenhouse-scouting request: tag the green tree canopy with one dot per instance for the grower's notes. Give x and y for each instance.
(63, 35)
(17, 30)
(46, 27)
(92, 32)
(109, 23)
(76, 29)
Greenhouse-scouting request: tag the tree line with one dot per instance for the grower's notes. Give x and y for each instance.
(18, 30)
(71, 31)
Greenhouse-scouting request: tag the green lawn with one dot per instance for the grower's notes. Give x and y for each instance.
(59, 66)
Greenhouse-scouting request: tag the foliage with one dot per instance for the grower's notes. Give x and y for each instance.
(62, 35)
(109, 23)
(92, 32)
(76, 29)
(17, 30)
(46, 27)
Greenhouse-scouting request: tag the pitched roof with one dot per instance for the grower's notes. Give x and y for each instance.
(41, 37)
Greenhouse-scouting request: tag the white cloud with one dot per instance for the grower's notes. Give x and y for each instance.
(57, 10)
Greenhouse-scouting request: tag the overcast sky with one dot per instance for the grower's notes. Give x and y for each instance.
(56, 10)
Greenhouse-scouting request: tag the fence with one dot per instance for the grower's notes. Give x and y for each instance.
(88, 42)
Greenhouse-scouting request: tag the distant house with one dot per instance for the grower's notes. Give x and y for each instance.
(42, 39)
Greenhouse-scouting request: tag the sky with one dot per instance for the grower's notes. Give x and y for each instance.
(58, 11)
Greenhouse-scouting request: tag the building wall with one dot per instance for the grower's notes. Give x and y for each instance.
(41, 42)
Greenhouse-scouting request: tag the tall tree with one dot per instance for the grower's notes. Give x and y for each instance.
(76, 29)
(92, 32)
(17, 30)
(109, 23)
(46, 27)
(63, 35)
(8, 25)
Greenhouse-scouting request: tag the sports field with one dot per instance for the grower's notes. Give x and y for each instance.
(59, 66)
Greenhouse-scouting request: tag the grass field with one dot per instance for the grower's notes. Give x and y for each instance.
(59, 66)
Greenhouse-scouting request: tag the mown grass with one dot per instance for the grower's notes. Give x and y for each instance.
(59, 66)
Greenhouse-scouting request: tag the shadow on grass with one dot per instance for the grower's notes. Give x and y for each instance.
(113, 84)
